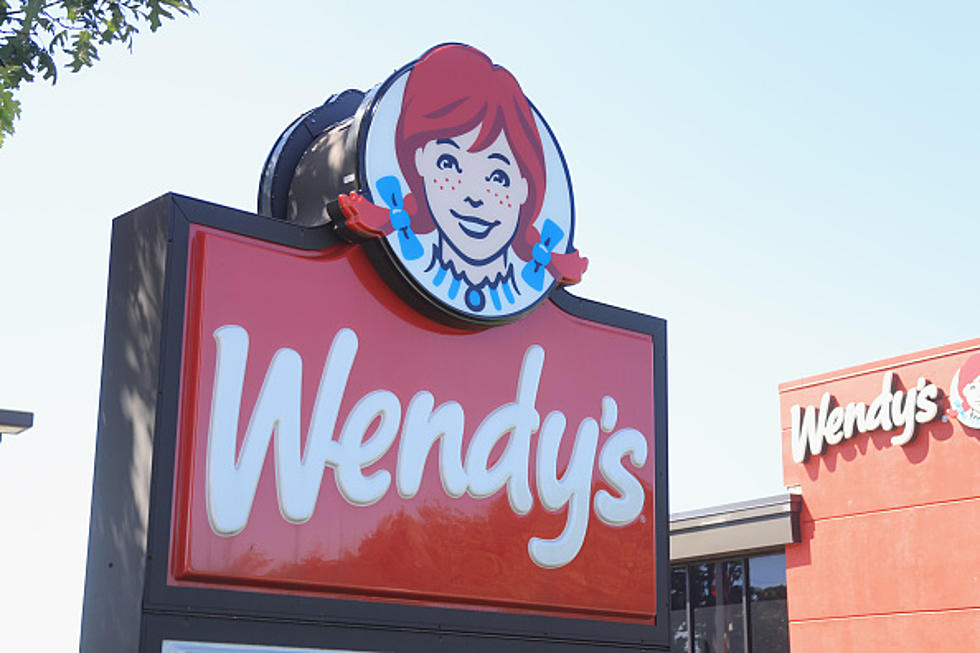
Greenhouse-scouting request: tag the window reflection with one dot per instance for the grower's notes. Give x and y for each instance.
(708, 601)
(767, 596)
(716, 596)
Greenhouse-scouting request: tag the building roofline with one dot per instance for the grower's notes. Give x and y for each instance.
(757, 524)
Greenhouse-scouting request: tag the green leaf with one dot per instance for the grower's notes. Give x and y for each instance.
(82, 51)
(47, 66)
(9, 111)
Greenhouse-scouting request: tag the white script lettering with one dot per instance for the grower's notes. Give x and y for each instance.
(813, 430)
(232, 473)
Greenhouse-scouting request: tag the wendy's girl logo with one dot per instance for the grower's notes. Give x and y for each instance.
(964, 393)
(450, 173)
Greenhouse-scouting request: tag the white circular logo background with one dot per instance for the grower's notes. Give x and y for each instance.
(966, 415)
(379, 160)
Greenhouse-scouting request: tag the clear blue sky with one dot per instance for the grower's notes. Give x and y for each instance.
(794, 187)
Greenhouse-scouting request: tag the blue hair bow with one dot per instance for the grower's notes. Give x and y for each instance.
(391, 194)
(533, 272)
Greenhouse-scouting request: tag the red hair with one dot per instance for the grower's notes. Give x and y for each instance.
(451, 90)
(969, 371)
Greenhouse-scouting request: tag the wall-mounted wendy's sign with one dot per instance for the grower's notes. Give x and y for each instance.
(353, 441)
(899, 410)
(449, 176)
(813, 428)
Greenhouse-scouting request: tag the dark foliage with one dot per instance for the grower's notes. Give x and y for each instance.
(38, 38)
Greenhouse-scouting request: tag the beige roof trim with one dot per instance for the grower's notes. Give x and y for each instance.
(735, 528)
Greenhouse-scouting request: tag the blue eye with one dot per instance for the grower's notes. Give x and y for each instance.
(498, 176)
(448, 162)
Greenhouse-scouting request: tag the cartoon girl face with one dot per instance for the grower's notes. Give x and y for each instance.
(463, 201)
(971, 393)
(475, 198)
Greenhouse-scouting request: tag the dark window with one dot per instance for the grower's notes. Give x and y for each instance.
(710, 607)
(678, 610)
(767, 596)
(716, 596)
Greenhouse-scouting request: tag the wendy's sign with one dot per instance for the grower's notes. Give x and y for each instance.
(326, 428)
(454, 180)
(891, 407)
(380, 421)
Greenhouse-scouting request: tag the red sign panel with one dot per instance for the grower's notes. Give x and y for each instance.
(335, 442)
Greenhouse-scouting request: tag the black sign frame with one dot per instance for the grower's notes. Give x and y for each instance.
(129, 604)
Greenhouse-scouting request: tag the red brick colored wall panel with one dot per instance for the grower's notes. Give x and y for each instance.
(889, 558)
(868, 473)
(921, 558)
(922, 631)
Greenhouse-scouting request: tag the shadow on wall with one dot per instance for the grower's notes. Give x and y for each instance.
(127, 415)
(798, 553)
(916, 451)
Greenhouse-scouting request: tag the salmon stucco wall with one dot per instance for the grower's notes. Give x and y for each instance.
(889, 557)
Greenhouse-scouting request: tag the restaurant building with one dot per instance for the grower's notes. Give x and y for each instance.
(874, 547)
